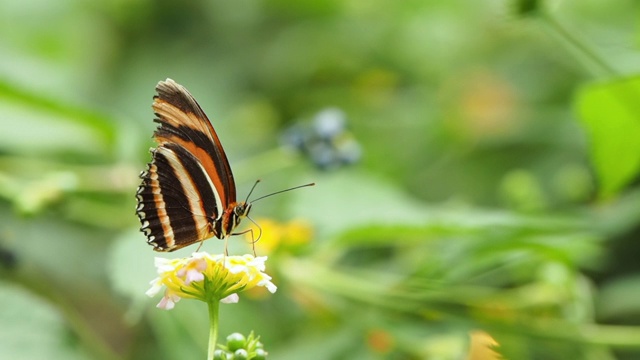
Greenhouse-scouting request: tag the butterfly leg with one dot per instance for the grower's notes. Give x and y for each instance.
(253, 242)
(253, 239)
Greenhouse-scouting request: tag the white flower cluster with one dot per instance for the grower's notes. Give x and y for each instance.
(204, 276)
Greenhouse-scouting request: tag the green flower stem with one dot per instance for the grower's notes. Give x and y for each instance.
(214, 307)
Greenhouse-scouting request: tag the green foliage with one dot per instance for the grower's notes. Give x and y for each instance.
(496, 194)
(610, 113)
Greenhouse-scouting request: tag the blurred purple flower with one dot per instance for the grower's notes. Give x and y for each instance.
(325, 140)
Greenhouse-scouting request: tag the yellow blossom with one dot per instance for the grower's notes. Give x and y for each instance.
(276, 234)
(482, 346)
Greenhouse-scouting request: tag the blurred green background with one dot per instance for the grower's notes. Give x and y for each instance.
(486, 179)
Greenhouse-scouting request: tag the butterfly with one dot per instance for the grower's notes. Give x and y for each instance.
(188, 193)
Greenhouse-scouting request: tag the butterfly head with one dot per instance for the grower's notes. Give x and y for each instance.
(241, 210)
(235, 214)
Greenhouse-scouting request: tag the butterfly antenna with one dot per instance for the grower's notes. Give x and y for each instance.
(251, 191)
(281, 191)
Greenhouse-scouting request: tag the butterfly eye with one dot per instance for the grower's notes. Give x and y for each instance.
(239, 210)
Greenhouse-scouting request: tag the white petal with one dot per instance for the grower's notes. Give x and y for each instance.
(193, 275)
(168, 301)
(156, 286)
(231, 299)
(269, 285)
(166, 304)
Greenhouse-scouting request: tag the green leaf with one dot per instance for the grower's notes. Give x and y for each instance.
(611, 117)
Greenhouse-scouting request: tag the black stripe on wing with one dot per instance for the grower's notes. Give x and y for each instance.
(188, 135)
(200, 180)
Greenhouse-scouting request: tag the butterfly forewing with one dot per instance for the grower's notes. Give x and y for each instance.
(188, 184)
(182, 121)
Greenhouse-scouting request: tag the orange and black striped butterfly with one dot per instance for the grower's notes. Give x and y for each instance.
(188, 193)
